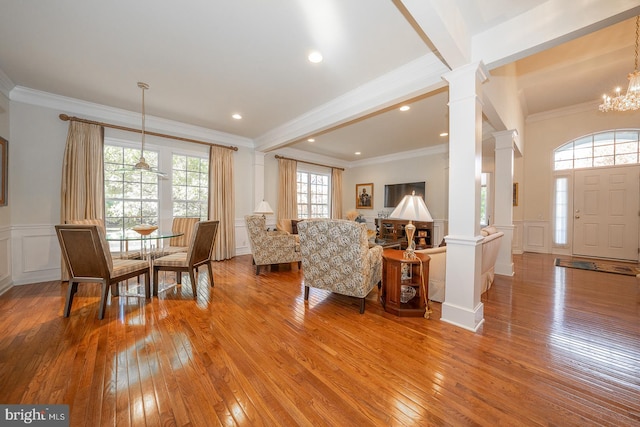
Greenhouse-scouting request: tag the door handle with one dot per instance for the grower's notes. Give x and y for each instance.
(577, 215)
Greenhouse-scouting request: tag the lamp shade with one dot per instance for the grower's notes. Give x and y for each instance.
(263, 208)
(411, 208)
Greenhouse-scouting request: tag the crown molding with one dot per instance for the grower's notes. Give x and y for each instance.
(564, 111)
(6, 85)
(332, 161)
(294, 153)
(117, 116)
(404, 155)
(415, 78)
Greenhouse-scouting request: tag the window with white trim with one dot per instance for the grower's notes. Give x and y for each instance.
(135, 197)
(610, 148)
(190, 186)
(561, 211)
(313, 195)
(131, 197)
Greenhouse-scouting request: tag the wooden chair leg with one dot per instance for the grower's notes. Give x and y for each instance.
(71, 291)
(155, 281)
(306, 293)
(194, 282)
(257, 269)
(299, 265)
(362, 300)
(147, 286)
(103, 300)
(210, 270)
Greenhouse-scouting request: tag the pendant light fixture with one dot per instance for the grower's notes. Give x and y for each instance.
(630, 100)
(142, 164)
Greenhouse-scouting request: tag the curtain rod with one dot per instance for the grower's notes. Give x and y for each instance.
(66, 118)
(310, 163)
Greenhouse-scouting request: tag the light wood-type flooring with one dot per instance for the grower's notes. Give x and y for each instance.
(558, 347)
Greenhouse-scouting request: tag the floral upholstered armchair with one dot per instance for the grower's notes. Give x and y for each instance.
(336, 256)
(270, 247)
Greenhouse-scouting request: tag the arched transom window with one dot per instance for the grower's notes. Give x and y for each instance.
(610, 148)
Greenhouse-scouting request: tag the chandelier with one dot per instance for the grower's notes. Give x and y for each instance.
(631, 100)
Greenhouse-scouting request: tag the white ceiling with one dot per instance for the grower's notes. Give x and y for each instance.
(205, 60)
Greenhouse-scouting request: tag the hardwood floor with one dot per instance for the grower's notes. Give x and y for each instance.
(558, 347)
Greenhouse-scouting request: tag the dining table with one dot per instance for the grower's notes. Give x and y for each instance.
(148, 250)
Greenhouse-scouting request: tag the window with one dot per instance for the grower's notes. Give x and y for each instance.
(190, 186)
(561, 211)
(610, 148)
(484, 199)
(131, 197)
(313, 195)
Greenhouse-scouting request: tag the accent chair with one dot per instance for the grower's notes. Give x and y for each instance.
(336, 257)
(270, 247)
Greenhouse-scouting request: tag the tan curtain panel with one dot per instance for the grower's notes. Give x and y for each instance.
(82, 193)
(336, 193)
(222, 201)
(287, 189)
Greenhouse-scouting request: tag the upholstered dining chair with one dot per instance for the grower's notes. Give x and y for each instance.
(88, 259)
(186, 226)
(199, 253)
(126, 253)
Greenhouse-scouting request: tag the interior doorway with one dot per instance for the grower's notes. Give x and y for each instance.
(606, 203)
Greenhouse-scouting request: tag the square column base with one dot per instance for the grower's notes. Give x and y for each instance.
(463, 317)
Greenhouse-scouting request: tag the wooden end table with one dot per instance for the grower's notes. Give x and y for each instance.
(399, 272)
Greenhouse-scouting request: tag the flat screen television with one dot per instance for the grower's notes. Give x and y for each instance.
(393, 193)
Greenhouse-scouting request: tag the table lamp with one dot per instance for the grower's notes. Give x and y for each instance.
(411, 208)
(264, 209)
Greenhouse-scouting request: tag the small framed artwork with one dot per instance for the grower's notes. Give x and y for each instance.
(515, 194)
(4, 170)
(364, 196)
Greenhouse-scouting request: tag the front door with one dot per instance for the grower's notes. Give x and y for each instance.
(606, 208)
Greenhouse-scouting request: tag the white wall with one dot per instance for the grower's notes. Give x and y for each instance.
(38, 139)
(5, 211)
(544, 133)
(431, 168)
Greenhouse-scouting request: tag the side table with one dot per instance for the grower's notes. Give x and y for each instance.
(398, 273)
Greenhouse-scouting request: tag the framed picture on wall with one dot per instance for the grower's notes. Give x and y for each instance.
(364, 196)
(4, 172)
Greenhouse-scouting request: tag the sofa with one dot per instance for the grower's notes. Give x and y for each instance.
(437, 265)
(336, 257)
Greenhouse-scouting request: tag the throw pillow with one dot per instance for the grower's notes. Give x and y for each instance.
(294, 226)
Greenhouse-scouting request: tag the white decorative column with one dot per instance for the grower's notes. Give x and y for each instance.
(462, 305)
(505, 145)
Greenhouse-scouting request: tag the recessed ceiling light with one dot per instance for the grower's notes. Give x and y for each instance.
(357, 153)
(236, 116)
(315, 57)
(405, 108)
(444, 134)
(311, 140)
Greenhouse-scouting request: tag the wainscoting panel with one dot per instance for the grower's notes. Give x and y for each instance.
(536, 236)
(242, 239)
(5, 259)
(36, 254)
(516, 243)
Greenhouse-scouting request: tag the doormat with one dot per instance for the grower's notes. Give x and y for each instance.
(605, 267)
